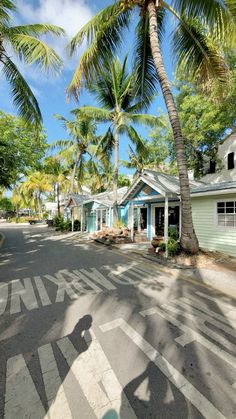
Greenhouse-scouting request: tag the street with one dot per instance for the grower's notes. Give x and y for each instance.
(88, 332)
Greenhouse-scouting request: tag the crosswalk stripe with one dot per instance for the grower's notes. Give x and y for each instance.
(21, 399)
(45, 300)
(205, 407)
(206, 317)
(24, 293)
(91, 368)
(3, 296)
(191, 335)
(56, 397)
(221, 304)
(202, 327)
(194, 302)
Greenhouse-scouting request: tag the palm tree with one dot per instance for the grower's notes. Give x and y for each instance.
(54, 167)
(74, 150)
(116, 91)
(200, 27)
(34, 186)
(26, 45)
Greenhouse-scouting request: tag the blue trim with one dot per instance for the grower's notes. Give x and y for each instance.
(149, 222)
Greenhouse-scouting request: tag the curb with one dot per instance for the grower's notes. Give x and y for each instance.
(2, 239)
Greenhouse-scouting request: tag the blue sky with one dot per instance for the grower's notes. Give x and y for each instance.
(51, 91)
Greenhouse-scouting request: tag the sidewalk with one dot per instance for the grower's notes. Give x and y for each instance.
(222, 281)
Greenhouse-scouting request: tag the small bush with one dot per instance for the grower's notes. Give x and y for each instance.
(162, 246)
(57, 221)
(173, 233)
(173, 247)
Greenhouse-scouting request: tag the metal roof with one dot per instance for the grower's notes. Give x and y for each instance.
(163, 183)
(214, 187)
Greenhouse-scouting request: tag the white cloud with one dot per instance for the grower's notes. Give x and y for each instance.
(71, 15)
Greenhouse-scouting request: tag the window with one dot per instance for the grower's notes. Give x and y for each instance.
(230, 161)
(212, 168)
(226, 214)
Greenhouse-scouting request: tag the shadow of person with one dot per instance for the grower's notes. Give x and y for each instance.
(81, 336)
(158, 399)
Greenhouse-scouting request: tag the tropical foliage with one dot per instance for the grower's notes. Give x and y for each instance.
(20, 149)
(25, 41)
(116, 90)
(200, 28)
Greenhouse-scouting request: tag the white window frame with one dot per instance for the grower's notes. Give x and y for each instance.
(227, 228)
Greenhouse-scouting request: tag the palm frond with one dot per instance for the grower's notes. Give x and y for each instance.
(36, 29)
(213, 13)
(23, 97)
(61, 144)
(140, 144)
(143, 65)
(103, 34)
(98, 114)
(32, 50)
(143, 119)
(6, 6)
(198, 55)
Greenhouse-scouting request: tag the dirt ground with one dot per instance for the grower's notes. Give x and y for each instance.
(204, 259)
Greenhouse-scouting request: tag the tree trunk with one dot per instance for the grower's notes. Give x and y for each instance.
(188, 238)
(73, 177)
(116, 173)
(58, 200)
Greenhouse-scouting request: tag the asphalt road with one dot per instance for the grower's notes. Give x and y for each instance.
(86, 332)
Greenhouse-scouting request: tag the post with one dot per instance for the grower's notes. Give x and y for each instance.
(72, 219)
(81, 219)
(132, 221)
(166, 224)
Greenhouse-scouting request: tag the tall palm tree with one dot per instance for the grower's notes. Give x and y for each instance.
(116, 91)
(34, 186)
(25, 42)
(54, 167)
(200, 28)
(83, 137)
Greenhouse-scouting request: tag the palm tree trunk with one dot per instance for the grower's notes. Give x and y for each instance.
(73, 177)
(58, 200)
(116, 173)
(188, 238)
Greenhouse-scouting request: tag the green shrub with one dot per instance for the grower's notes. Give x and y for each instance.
(173, 233)
(57, 221)
(173, 247)
(162, 246)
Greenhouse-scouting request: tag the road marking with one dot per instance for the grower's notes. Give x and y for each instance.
(45, 300)
(21, 399)
(64, 287)
(204, 406)
(96, 276)
(205, 317)
(87, 281)
(56, 397)
(96, 378)
(24, 293)
(201, 326)
(222, 305)
(196, 303)
(3, 296)
(191, 335)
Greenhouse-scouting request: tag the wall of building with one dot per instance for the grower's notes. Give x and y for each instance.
(224, 175)
(210, 235)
